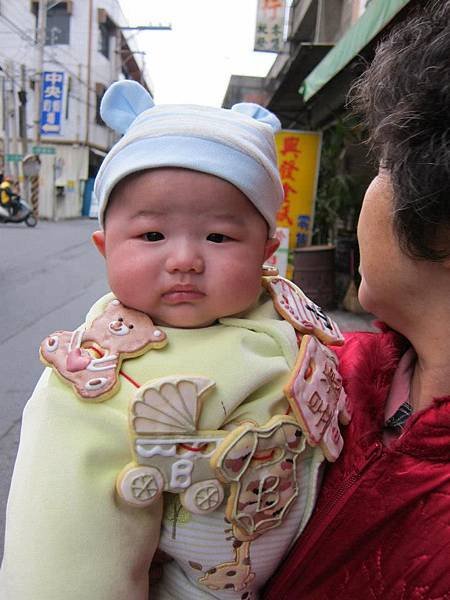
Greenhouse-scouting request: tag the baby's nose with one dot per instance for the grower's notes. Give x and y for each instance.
(185, 259)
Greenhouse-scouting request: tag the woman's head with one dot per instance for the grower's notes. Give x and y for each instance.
(405, 98)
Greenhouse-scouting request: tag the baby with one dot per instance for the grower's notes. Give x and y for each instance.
(194, 408)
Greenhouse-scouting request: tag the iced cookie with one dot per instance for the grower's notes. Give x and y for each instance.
(305, 316)
(260, 464)
(269, 271)
(170, 454)
(90, 358)
(317, 398)
(235, 575)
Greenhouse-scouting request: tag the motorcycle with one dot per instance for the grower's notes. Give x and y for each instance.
(23, 213)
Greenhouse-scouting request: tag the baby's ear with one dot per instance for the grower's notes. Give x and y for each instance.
(122, 102)
(98, 238)
(258, 113)
(271, 247)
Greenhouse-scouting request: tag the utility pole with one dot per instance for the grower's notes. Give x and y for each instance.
(40, 42)
(5, 103)
(89, 74)
(23, 132)
(148, 28)
(12, 106)
(23, 109)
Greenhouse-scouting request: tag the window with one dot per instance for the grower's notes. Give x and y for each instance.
(57, 22)
(106, 30)
(58, 25)
(99, 91)
(103, 40)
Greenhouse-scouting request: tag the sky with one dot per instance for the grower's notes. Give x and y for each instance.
(210, 40)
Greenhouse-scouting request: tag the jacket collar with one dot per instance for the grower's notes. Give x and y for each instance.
(367, 364)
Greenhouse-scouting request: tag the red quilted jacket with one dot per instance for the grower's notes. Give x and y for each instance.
(381, 529)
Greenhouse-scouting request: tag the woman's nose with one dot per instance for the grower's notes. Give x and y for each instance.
(185, 259)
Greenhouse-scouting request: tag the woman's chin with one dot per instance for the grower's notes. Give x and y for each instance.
(364, 297)
(369, 302)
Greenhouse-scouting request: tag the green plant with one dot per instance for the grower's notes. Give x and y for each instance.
(341, 183)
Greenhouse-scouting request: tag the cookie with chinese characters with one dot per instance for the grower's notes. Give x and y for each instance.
(317, 397)
(301, 312)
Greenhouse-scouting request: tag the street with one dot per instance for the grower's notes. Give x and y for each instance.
(49, 278)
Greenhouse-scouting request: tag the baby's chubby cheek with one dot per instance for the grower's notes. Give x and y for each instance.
(245, 298)
(127, 288)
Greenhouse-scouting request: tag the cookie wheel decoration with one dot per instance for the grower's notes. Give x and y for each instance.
(140, 486)
(203, 497)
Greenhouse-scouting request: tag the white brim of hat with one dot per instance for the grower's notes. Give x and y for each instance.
(197, 154)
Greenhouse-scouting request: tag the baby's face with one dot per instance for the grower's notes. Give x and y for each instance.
(184, 247)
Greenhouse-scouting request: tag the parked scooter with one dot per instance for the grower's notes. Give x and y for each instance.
(23, 213)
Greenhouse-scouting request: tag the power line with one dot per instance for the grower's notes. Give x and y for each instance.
(51, 58)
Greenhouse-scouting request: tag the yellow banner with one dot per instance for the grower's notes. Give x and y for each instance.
(298, 160)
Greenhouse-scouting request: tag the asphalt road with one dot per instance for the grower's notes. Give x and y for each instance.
(49, 278)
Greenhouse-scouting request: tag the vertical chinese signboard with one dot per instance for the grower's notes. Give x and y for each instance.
(52, 102)
(270, 25)
(298, 160)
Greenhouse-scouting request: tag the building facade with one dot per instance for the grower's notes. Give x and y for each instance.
(66, 57)
(325, 46)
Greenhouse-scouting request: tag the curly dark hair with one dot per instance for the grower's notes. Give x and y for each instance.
(405, 98)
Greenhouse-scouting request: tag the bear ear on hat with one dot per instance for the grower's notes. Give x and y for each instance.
(259, 113)
(122, 102)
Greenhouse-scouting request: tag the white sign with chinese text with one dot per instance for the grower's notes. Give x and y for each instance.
(270, 25)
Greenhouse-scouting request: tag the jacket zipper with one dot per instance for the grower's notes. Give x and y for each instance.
(325, 517)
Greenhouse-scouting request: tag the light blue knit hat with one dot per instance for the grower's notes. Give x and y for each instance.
(236, 145)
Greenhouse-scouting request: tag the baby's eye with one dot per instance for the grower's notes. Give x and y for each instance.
(217, 238)
(153, 236)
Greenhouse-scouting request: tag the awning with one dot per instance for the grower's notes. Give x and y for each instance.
(285, 96)
(376, 16)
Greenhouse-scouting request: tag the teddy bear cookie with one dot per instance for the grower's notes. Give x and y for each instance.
(90, 357)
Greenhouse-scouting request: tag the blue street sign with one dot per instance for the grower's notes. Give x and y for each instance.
(52, 102)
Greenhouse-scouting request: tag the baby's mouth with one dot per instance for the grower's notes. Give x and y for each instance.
(182, 293)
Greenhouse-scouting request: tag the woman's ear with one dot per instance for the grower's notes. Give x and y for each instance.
(98, 237)
(271, 247)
